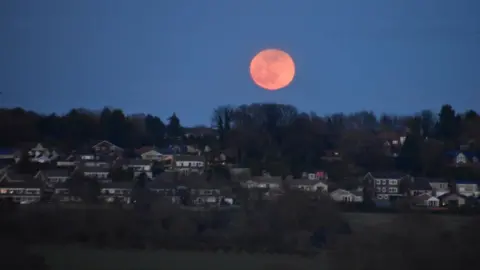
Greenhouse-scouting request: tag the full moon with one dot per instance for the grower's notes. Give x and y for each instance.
(272, 69)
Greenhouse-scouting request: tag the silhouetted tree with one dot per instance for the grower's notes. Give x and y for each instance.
(86, 188)
(174, 129)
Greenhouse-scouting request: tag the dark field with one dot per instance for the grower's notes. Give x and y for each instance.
(76, 257)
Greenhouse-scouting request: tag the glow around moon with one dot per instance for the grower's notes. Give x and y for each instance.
(272, 69)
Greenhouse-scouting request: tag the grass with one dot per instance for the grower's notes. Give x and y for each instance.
(78, 258)
(363, 220)
(81, 258)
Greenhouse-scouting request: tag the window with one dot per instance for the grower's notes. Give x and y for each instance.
(384, 182)
(31, 191)
(392, 190)
(380, 196)
(393, 182)
(379, 189)
(377, 182)
(384, 189)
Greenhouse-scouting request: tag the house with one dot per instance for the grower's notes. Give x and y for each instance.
(319, 175)
(392, 142)
(116, 191)
(67, 162)
(62, 194)
(95, 172)
(139, 166)
(188, 163)
(439, 186)
(425, 200)
(165, 187)
(107, 148)
(88, 160)
(452, 199)
(462, 158)
(421, 185)
(53, 176)
(41, 154)
(37, 149)
(386, 185)
(150, 153)
(203, 192)
(307, 185)
(467, 187)
(342, 195)
(20, 188)
(266, 181)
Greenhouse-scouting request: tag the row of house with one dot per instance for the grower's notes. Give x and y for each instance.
(170, 184)
(107, 151)
(432, 192)
(104, 158)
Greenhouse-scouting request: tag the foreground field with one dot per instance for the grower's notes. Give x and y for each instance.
(78, 258)
(362, 220)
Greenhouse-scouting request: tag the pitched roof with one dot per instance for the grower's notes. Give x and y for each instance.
(451, 194)
(435, 180)
(388, 175)
(421, 183)
(107, 143)
(422, 198)
(340, 191)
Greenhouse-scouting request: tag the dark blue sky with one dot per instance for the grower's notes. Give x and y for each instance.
(190, 56)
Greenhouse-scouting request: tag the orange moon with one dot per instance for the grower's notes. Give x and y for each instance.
(272, 69)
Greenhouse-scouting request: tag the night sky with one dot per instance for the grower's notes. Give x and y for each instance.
(190, 56)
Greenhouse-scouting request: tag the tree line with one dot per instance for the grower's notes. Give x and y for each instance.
(274, 137)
